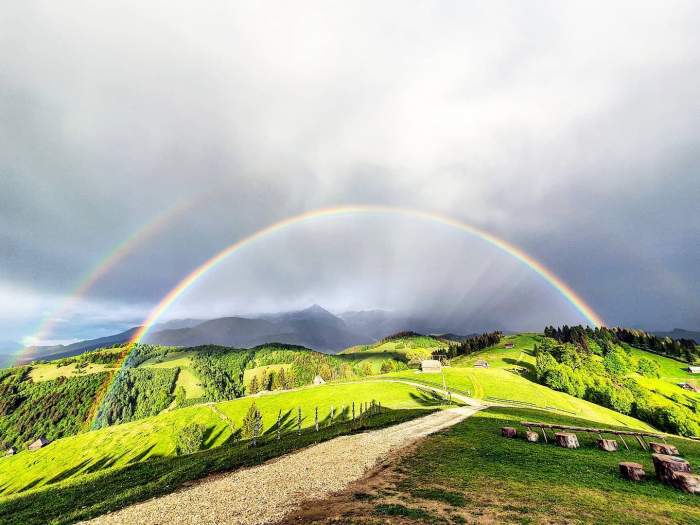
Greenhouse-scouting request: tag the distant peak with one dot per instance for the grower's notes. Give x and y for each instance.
(317, 309)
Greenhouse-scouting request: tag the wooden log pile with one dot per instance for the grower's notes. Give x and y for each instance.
(632, 471)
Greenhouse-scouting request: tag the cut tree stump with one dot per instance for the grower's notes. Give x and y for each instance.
(566, 439)
(609, 445)
(508, 432)
(666, 465)
(663, 448)
(531, 436)
(632, 471)
(686, 482)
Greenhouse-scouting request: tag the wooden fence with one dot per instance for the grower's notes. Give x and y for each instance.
(639, 436)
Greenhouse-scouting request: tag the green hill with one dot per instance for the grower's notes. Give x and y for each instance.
(153, 437)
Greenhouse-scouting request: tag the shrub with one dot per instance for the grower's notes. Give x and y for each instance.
(617, 363)
(648, 367)
(189, 439)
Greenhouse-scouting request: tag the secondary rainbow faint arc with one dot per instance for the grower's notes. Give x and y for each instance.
(507, 247)
(108, 262)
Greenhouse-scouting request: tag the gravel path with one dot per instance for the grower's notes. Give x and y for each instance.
(266, 493)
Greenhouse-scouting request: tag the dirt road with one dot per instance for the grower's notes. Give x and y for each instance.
(265, 493)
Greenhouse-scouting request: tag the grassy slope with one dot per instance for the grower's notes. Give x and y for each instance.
(149, 438)
(398, 346)
(48, 371)
(500, 381)
(187, 378)
(470, 473)
(94, 494)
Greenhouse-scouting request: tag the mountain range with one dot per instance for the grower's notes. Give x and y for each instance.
(313, 327)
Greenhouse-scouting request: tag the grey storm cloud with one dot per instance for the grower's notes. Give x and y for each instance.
(569, 129)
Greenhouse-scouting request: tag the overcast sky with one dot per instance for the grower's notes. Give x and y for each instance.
(568, 129)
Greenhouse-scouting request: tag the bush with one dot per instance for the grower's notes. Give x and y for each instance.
(189, 439)
(648, 367)
(617, 363)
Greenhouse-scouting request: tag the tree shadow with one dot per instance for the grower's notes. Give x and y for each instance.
(427, 398)
(524, 369)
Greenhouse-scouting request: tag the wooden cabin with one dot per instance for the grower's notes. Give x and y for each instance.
(39, 443)
(430, 366)
(481, 364)
(694, 369)
(318, 380)
(510, 345)
(11, 451)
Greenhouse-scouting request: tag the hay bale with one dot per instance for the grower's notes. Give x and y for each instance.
(632, 471)
(532, 437)
(666, 465)
(508, 432)
(663, 448)
(566, 439)
(609, 445)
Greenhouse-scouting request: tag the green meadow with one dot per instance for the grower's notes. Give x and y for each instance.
(116, 446)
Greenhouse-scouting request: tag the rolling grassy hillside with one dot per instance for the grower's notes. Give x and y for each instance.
(155, 437)
(399, 345)
(470, 474)
(509, 377)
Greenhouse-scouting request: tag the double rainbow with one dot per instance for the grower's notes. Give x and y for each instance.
(588, 313)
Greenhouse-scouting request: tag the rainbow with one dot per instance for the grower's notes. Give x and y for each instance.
(505, 246)
(104, 266)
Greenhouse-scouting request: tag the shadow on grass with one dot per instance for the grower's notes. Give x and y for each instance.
(93, 494)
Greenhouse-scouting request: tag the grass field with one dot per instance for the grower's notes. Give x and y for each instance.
(187, 378)
(150, 438)
(399, 346)
(470, 474)
(500, 383)
(93, 494)
(48, 371)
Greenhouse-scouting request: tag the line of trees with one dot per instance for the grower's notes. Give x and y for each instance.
(683, 349)
(473, 344)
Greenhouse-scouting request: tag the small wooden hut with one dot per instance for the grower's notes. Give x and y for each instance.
(39, 443)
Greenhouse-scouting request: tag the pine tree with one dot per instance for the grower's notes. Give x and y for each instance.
(250, 421)
(253, 387)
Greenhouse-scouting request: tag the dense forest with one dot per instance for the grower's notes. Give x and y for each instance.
(474, 344)
(597, 368)
(683, 349)
(52, 409)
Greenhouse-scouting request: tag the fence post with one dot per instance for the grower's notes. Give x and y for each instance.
(299, 421)
(279, 424)
(316, 419)
(353, 411)
(379, 408)
(332, 414)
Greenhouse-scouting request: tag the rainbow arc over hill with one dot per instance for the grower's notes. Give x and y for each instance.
(586, 311)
